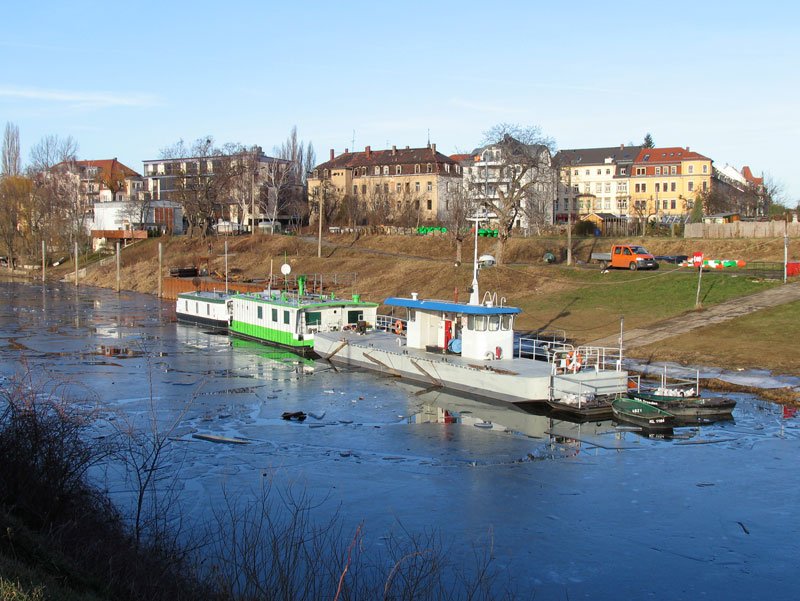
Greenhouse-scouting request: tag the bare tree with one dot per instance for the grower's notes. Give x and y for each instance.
(522, 166)
(51, 150)
(15, 191)
(11, 154)
(459, 203)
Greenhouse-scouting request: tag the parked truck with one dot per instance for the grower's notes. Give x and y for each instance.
(626, 256)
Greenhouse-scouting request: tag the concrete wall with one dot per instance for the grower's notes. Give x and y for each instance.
(741, 229)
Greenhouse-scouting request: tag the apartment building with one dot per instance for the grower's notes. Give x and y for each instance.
(593, 180)
(490, 170)
(395, 184)
(245, 187)
(665, 182)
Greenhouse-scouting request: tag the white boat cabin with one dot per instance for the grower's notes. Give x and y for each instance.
(476, 331)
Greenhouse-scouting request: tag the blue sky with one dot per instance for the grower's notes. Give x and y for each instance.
(128, 79)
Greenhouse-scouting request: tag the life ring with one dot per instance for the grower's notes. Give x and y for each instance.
(574, 361)
(398, 327)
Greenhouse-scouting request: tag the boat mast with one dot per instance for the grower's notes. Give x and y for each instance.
(474, 297)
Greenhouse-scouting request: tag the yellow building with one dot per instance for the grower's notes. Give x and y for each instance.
(404, 186)
(665, 182)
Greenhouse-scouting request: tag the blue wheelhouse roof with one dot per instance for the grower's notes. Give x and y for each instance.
(449, 307)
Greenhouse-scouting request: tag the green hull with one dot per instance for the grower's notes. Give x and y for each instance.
(271, 336)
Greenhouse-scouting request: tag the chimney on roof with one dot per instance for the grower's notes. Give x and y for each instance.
(622, 146)
(331, 153)
(368, 151)
(408, 147)
(346, 150)
(433, 148)
(394, 150)
(687, 149)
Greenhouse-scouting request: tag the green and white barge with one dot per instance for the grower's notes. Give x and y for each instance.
(292, 319)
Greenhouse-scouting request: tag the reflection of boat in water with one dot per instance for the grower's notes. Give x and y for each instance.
(449, 408)
(273, 353)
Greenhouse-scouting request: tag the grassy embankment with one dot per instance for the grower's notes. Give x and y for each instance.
(580, 300)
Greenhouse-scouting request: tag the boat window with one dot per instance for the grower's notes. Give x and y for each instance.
(505, 323)
(355, 316)
(208, 309)
(313, 318)
(260, 313)
(476, 323)
(286, 317)
(494, 323)
(275, 316)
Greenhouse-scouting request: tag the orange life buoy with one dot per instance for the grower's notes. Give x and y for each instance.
(574, 361)
(398, 327)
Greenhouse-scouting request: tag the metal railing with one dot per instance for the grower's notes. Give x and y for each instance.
(389, 323)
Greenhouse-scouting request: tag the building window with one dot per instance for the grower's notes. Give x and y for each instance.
(385, 188)
(691, 186)
(673, 170)
(705, 184)
(691, 169)
(623, 170)
(608, 188)
(587, 172)
(658, 170)
(430, 186)
(398, 170)
(275, 316)
(429, 168)
(416, 205)
(386, 169)
(672, 204)
(705, 168)
(377, 170)
(430, 204)
(664, 204)
(416, 169)
(658, 187)
(355, 190)
(575, 172)
(363, 188)
(599, 172)
(399, 188)
(447, 167)
(326, 173)
(416, 186)
(672, 187)
(377, 188)
(608, 171)
(640, 171)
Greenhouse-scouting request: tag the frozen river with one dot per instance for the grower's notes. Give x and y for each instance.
(572, 510)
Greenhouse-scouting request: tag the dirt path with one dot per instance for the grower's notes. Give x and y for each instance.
(718, 313)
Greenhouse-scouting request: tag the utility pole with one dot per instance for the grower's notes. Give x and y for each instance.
(321, 212)
(785, 251)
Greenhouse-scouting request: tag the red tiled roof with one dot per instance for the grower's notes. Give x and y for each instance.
(667, 155)
(398, 156)
(109, 169)
(748, 175)
(458, 158)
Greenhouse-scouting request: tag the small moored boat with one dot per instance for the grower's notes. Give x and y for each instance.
(637, 412)
(204, 308)
(686, 407)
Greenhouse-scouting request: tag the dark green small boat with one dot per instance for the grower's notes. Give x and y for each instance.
(640, 413)
(687, 407)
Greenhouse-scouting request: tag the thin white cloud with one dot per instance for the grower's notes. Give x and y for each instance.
(79, 99)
